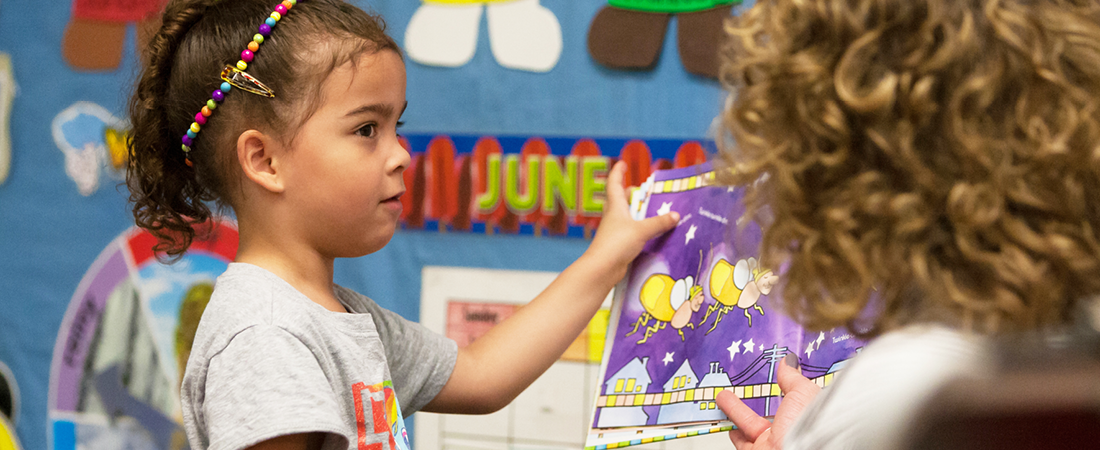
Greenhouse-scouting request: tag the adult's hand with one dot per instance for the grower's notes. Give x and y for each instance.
(756, 433)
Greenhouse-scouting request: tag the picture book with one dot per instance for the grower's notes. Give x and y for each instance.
(695, 315)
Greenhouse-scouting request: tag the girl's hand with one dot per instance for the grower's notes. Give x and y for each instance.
(754, 432)
(620, 238)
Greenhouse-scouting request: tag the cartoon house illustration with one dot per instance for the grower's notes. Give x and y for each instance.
(633, 378)
(680, 386)
(690, 402)
(714, 379)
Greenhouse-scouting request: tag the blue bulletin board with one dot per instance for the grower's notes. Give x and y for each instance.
(62, 202)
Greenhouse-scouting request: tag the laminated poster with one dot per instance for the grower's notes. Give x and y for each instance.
(695, 316)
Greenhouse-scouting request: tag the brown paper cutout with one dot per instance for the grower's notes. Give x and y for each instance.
(627, 40)
(93, 45)
(699, 35)
(96, 32)
(632, 40)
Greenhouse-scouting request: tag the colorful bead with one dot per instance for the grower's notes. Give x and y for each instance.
(246, 57)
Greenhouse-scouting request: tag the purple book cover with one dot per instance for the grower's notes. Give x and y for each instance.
(697, 315)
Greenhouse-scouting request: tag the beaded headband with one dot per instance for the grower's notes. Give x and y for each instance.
(235, 76)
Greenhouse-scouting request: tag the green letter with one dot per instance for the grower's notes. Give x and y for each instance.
(487, 201)
(591, 185)
(559, 185)
(525, 203)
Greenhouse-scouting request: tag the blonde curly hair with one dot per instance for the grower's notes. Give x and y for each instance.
(920, 159)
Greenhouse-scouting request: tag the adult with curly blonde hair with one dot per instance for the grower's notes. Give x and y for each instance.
(929, 171)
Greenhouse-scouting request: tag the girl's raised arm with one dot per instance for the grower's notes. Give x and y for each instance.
(495, 368)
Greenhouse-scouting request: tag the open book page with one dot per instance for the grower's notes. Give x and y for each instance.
(696, 315)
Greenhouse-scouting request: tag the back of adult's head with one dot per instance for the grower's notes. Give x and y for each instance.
(921, 159)
(181, 69)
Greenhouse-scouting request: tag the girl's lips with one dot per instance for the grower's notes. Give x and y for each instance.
(393, 202)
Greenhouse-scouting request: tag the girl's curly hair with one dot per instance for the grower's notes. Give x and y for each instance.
(921, 159)
(182, 63)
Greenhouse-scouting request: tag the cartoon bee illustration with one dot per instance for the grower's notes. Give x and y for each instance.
(669, 302)
(740, 286)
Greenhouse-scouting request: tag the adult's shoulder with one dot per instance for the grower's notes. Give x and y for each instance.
(873, 400)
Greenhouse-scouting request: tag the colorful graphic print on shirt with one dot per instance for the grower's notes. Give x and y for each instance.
(385, 415)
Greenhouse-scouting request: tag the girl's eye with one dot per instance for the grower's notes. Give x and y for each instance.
(366, 130)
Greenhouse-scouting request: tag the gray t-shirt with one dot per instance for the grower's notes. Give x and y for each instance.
(267, 361)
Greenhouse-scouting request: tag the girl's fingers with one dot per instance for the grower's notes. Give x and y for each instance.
(616, 195)
(657, 225)
(747, 421)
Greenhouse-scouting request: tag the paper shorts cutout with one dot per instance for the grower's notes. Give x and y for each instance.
(523, 35)
(629, 35)
(96, 31)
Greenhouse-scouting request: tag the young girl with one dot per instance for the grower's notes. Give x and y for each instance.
(932, 176)
(287, 113)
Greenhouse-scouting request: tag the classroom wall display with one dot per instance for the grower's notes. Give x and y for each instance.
(9, 407)
(462, 303)
(63, 200)
(9, 394)
(523, 34)
(526, 184)
(119, 357)
(96, 32)
(93, 142)
(629, 34)
(8, 439)
(7, 96)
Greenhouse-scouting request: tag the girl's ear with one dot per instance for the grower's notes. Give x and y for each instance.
(258, 153)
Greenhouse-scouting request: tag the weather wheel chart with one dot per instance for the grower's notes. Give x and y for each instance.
(125, 338)
(695, 316)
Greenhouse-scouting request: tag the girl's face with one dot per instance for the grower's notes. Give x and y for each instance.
(346, 162)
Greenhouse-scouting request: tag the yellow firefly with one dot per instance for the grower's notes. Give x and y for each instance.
(669, 302)
(739, 286)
